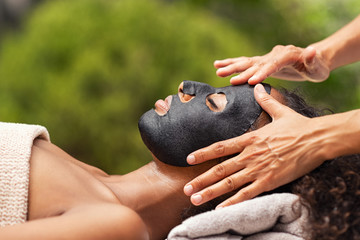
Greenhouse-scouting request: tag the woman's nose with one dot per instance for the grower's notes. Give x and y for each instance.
(183, 96)
(181, 87)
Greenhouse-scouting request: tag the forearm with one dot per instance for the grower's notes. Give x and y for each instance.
(342, 47)
(89, 221)
(338, 134)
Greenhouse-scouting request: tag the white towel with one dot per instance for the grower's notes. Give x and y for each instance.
(272, 217)
(16, 141)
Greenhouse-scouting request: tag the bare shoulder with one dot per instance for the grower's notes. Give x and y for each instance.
(88, 222)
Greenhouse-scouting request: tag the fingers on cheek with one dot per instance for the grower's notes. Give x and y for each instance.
(202, 197)
(197, 157)
(214, 151)
(218, 171)
(213, 175)
(268, 182)
(246, 193)
(197, 184)
(241, 196)
(219, 149)
(226, 203)
(226, 185)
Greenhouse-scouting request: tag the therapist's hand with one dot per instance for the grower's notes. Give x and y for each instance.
(283, 62)
(271, 156)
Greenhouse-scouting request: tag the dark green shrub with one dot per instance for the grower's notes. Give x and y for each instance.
(88, 69)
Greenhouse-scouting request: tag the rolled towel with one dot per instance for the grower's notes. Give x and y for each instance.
(16, 141)
(278, 216)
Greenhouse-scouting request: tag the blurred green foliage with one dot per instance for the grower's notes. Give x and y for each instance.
(88, 69)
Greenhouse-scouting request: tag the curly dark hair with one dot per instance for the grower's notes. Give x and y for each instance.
(331, 192)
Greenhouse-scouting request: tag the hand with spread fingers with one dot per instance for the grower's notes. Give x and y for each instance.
(313, 63)
(284, 62)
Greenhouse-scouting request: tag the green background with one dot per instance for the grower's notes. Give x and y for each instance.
(88, 69)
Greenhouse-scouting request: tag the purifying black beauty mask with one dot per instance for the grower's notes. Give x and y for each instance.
(189, 126)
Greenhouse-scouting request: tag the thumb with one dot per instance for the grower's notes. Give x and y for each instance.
(268, 103)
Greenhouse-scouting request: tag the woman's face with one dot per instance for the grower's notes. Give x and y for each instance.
(197, 116)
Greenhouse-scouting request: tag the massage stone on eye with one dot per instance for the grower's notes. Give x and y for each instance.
(189, 126)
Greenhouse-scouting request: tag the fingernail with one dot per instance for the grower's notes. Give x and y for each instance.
(260, 88)
(234, 78)
(191, 159)
(310, 47)
(253, 78)
(197, 198)
(188, 189)
(234, 81)
(219, 207)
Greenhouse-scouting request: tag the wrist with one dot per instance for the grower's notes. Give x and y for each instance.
(326, 53)
(338, 134)
(342, 47)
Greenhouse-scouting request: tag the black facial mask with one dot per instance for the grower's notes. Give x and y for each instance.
(189, 126)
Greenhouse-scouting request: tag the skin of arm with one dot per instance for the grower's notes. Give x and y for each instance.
(278, 153)
(95, 222)
(343, 47)
(313, 63)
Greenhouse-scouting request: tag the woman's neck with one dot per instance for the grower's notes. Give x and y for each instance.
(155, 192)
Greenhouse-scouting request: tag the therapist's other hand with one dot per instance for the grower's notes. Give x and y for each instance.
(283, 62)
(271, 156)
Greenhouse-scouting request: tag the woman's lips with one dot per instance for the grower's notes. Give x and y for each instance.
(162, 107)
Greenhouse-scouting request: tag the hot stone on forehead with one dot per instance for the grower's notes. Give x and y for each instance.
(192, 125)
